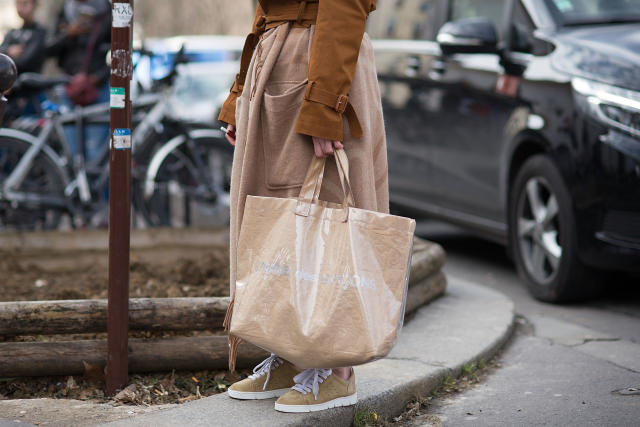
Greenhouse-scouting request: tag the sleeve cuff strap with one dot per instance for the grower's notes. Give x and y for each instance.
(339, 103)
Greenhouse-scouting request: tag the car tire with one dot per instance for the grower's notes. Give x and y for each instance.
(542, 234)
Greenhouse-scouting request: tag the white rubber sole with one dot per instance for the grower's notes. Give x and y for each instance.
(335, 403)
(257, 395)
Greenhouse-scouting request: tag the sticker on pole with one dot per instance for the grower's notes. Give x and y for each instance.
(122, 14)
(121, 139)
(117, 97)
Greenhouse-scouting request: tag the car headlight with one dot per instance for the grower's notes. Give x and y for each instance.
(614, 106)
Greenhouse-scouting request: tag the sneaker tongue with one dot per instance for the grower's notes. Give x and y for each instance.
(265, 367)
(309, 380)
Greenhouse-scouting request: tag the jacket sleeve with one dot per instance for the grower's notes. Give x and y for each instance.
(6, 42)
(33, 55)
(228, 111)
(340, 26)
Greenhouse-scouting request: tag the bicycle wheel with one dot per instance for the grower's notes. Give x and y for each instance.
(39, 202)
(188, 182)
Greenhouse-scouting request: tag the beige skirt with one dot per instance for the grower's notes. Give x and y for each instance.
(271, 159)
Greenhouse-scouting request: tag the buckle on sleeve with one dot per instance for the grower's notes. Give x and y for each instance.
(341, 103)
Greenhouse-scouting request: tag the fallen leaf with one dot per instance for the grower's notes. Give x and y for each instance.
(71, 384)
(169, 383)
(93, 372)
(128, 394)
(187, 399)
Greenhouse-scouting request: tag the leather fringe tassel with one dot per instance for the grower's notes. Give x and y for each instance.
(234, 341)
(227, 317)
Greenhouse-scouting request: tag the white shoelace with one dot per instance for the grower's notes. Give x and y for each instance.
(265, 367)
(309, 380)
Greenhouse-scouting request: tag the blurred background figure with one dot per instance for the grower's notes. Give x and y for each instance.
(25, 45)
(80, 42)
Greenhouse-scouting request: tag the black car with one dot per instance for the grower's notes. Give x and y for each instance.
(520, 120)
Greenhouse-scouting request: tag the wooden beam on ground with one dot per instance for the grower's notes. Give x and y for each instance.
(21, 359)
(174, 314)
(90, 316)
(425, 291)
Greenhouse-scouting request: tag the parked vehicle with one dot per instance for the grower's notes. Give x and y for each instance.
(520, 120)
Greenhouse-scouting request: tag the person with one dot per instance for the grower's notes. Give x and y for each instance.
(80, 42)
(307, 86)
(25, 45)
(83, 34)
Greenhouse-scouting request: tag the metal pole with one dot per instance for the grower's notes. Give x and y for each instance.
(119, 196)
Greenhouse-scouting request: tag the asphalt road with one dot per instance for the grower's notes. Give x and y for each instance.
(569, 365)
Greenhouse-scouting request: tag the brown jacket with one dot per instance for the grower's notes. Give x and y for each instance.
(340, 25)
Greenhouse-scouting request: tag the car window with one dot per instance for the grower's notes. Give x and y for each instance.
(521, 33)
(494, 10)
(578, 12)
(521, 30)
(403, 19)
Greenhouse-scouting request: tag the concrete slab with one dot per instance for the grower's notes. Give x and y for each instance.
(468, 323)
(542, 384)
(565, 333)
(625, 354)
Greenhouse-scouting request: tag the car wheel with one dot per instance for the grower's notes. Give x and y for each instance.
(543, 235)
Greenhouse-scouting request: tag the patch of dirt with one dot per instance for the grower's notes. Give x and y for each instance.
(419, 412)
(143, 389)
(80, 275)
(159, 272)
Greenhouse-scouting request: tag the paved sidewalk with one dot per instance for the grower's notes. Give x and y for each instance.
(468, 323)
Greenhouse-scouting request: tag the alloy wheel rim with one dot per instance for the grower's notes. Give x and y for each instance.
(539, 230)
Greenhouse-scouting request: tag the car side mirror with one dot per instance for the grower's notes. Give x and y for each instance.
(469, 35)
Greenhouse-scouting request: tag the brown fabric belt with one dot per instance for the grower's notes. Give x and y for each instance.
(302, 14)
(340, 103)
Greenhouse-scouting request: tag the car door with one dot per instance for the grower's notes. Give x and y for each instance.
(477, 101)
(406, 52)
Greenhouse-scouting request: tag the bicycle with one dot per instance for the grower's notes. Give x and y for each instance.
(42, 177)
(175, 164)
(187, 181)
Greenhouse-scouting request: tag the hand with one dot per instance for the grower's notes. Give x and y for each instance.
(15, 50)
(324, 147)
(231, 134)
(77, 27)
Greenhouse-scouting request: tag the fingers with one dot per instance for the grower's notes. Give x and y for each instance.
(231, 134)
(325, 147)
(317, 149)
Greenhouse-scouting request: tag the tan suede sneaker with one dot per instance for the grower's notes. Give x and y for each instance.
(273, 377)
(316, 390)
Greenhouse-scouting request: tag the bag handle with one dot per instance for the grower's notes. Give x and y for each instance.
(312, 184)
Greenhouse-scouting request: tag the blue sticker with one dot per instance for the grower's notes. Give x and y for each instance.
(121, 139)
